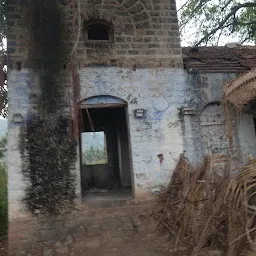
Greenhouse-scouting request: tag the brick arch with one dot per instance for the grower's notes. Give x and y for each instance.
(110, 16)
(135, 10)
(117, 20)
(142, 30)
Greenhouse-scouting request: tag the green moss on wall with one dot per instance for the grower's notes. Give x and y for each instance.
(47, 145)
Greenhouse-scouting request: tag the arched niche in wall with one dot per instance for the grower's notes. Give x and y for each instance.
(214, 137)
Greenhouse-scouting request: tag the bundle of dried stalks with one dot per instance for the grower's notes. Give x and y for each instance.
(241, 90)
(207, 208)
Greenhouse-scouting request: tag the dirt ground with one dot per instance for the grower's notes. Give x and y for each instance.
(115, 231)
(3, 247)
(150, 245)
(131, 246)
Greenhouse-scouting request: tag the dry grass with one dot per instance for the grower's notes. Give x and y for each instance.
(208, 208)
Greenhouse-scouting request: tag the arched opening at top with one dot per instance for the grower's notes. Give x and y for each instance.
(102, 101)
(98, 31)
(213, 113)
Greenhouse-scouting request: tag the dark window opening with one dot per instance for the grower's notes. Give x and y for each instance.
(98, 32)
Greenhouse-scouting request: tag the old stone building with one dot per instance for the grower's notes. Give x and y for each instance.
(205, 131)
(114, 71)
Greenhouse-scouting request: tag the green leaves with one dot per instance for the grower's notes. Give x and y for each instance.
(210, 21)
(3, 201)
(3, 98)
(3, 21)
(3, 149)
(3, 33)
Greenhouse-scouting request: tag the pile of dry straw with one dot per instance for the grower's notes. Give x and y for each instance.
(241, 90)
(211, 208)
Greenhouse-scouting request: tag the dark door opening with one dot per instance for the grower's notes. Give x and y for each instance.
(105, 154)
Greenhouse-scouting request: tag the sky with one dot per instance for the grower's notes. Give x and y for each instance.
(185, 40)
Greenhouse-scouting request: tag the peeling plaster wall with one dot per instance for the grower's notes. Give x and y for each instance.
(143, 67)
(23, 85)
(158, 91)
(146, 38)
(202, 89)
(20, 84)
(247, 137)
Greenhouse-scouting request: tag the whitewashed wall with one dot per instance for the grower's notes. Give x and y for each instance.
(247, 137)
(161, 93)
(20, 83)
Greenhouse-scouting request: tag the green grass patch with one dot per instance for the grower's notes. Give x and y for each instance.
(3, 201)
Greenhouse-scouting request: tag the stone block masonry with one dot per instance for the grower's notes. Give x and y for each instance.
(145, 32)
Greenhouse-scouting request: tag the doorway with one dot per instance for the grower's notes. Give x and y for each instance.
(105, 154)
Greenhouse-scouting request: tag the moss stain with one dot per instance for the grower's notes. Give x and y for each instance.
(48, 149)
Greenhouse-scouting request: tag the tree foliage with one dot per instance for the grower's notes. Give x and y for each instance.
(209, 21)
(3, 23)
(3, 82)
(3, 145)
(94, 156)
(3, 88)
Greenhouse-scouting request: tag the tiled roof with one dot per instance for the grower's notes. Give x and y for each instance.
(223, 59)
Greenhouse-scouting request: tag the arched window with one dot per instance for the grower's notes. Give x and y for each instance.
(213, 129)
(98, 31)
